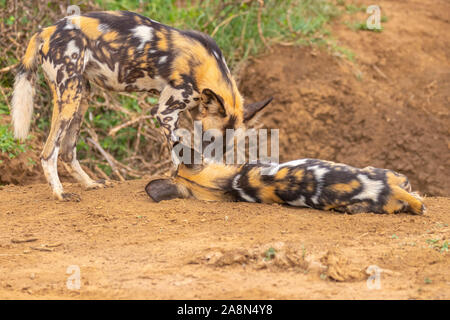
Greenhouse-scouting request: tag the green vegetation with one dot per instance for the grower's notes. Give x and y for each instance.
(235, 24)
(352, 8)
(270, 254)
(441, 246)
(362, 26)
(3, 108)
(8, 144)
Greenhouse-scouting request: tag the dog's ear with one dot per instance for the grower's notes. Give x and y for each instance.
(211, 103)
(162, 189)
(252, 109)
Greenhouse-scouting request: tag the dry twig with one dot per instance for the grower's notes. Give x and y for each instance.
(23, 240)
(260, 32)
(110, 159)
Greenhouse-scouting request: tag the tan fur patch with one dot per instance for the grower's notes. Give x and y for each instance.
(254, 178)
(209, 175)
(89, 26)
(281, 174)
(345, 187)
(267, 195)
(110, 36)
(162, 42)
(207, 74)
(45, 35)
(299, 174)
(30, 53)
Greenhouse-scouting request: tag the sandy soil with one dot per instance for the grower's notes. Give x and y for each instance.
(128, 247)
(393, 115)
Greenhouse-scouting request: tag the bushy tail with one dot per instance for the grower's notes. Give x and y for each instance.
(23, 95)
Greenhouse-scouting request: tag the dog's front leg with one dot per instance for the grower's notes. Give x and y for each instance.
(172, 102)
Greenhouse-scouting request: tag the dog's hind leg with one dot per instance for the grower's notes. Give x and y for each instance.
(69, 149)
(66, 103)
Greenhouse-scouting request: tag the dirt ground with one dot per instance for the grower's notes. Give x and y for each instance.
(389, 108)
(128, 247)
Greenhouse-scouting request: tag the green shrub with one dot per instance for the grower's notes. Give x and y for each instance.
(8, 144)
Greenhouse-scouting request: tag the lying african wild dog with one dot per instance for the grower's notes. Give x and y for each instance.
(123, 51)
(310, 183)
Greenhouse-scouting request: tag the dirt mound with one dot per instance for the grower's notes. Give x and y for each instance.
(324, 111)
(22, 169)
(388, 109)
(273, 255)
(339, 268)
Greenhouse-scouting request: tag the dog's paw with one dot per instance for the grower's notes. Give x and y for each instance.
(68, 196)
(102, 183)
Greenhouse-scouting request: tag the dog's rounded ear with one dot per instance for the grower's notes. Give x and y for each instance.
(252, 109)
(212, 102)
(162, 189)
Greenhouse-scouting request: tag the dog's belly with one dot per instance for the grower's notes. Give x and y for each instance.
(118, 78)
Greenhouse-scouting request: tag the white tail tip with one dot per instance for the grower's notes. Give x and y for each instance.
(22, 106)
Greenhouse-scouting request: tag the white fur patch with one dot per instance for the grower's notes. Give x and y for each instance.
(318, 175)
(50, 70)
(51, 171)
(78, 173)
(87, 57)
(103, 28)
(71, 49)
(112, 76)
(300, 202)
(225, 63)
(241, 192)
(145, 33)
(162, 60)
(276, 167)
(371, 188)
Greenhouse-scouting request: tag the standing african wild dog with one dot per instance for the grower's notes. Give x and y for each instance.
(122, 51)
(310, 183)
